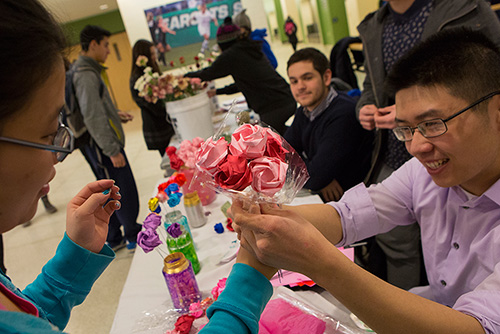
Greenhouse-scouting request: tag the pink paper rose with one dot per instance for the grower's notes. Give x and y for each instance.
(233, 173)
(211, 155)
(217, 290)
(268, 175)
(248, 141)
(274, 146)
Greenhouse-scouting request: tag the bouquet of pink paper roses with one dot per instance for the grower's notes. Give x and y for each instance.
(257, 164)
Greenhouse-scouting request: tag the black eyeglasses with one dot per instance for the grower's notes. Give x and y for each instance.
(62, 145)
(434, 127)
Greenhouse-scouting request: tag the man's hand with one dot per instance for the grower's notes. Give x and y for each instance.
(125, 116)
(88, 213)
(385, 118)
(332, 192)
(366, 116)
(118, 160)
(211, 92)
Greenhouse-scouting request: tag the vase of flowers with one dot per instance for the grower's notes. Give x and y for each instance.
(186, 100)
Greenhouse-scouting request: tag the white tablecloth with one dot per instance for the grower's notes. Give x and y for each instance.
(145, 300)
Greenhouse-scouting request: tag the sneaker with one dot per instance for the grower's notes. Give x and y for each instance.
(131, 245)
(119, 246)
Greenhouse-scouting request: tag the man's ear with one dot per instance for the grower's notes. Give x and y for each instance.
(327, 77)
(93, 43)
(494, 109)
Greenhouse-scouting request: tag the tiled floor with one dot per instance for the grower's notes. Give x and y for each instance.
(28, 248)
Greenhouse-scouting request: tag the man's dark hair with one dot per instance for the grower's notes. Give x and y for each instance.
(464, 62)
(32, 46)
(92, 33)
(319, 60)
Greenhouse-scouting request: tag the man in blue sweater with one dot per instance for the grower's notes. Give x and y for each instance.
(325, 131)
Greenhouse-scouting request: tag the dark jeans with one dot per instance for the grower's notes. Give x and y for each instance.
(127, 215)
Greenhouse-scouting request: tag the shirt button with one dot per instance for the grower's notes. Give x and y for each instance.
(465, 207)
(443, 283)
(456, 245)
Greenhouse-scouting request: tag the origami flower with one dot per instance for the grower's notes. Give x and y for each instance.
(148, 240)
(268, 175)
(172, 188)
(174, 199)
(234, 173)
(211, 155)
(174, 230)
(152, 221)
(274, 145)
(217, 290)
(249, 141)
(196, 310)
(179, 178)
(184, 324)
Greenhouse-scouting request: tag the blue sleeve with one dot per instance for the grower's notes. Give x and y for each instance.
(66, 280)
(266, 49)
(238, 308)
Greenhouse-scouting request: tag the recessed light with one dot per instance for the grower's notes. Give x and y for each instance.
(103, 7)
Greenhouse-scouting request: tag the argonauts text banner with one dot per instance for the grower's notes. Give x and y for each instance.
(183, 22)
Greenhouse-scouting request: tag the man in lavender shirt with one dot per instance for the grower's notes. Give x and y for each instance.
(447, 93)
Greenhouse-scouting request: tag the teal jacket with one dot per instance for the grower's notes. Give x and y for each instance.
(238, 308)
(64, 283)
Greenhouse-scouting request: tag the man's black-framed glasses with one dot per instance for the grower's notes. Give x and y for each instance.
(434, 127)
(62, 144)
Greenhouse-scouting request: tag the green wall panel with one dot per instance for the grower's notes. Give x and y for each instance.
(111, 21)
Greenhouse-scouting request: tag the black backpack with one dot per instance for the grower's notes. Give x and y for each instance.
(72, 116)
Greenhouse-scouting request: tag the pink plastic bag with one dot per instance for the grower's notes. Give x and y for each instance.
(281, 317)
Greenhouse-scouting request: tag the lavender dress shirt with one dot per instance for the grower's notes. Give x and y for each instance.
(460, 236)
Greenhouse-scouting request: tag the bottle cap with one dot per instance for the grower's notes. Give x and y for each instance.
(191, 199)
(175, 263)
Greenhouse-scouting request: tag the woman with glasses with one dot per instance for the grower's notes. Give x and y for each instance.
(32, 142)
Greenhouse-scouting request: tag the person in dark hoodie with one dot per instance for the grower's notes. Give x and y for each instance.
(265, 91)
(243, 21)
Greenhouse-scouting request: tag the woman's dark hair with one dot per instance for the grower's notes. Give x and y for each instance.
(143, 48)
(32, 44)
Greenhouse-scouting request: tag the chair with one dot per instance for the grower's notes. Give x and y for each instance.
(344, 60)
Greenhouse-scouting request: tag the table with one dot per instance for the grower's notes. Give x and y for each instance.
(145, 301)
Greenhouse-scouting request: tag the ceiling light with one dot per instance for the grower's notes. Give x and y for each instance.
(103, 7)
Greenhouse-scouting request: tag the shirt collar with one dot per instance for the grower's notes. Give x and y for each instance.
(320, 108)
(493, 193)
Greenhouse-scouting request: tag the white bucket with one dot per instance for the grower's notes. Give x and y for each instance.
(192, 116)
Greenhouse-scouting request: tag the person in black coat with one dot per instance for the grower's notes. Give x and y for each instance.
(265, 91)
(155, 127)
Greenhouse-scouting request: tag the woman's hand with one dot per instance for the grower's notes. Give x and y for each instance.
(88, 213)
(247, 257)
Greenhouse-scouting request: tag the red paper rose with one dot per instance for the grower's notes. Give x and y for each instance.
(268, 175)
(184, 324)
(233, 173)
(175, 162)
(274, 145)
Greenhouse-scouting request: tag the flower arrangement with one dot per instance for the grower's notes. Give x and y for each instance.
(169, 192)
(257, 163)
(185, 155)
(167, 87)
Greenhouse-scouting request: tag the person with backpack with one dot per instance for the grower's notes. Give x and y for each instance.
(291, 32)
(107, 138)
